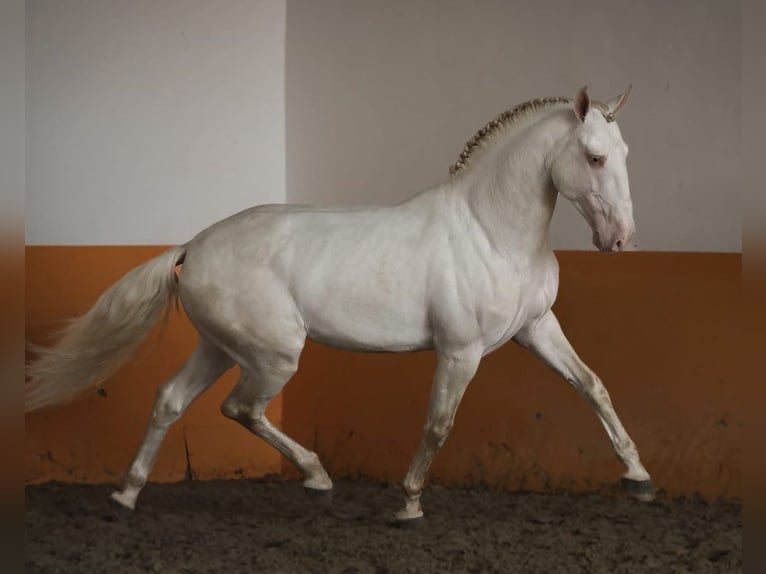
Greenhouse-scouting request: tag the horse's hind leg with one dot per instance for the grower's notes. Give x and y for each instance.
(548, 342)
(202, 369)
(260, 381)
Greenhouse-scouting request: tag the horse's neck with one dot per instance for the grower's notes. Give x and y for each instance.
(511, 193)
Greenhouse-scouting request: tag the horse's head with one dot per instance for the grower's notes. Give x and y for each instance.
(589, 169)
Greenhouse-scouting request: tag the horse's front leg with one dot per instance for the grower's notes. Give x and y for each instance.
(548, 342)
(454, 370)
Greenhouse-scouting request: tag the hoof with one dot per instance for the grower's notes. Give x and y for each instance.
(410, 523)
(122, 501)
(643, 490)
(319, 495)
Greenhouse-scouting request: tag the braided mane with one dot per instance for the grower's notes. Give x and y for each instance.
(507, 118)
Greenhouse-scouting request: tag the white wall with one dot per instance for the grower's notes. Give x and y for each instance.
(381, 97)
(11, 122)
(150, 119)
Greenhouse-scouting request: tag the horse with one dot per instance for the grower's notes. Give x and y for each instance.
(460, 269)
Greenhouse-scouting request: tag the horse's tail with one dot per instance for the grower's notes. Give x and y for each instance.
(92, 347)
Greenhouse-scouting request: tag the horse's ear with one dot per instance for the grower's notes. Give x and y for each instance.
(617, 103)
(582, 104)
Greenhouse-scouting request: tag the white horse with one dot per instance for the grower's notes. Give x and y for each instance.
(460, 268)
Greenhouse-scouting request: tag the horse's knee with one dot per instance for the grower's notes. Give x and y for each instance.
(592, 387)
(168, 406)
(587, 383)
(599, 392)
(438, 430)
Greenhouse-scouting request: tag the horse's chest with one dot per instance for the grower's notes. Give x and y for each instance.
(516, 308)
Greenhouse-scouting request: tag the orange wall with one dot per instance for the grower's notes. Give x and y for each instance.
(661, 329)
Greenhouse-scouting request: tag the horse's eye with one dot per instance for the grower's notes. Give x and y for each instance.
(597, 160)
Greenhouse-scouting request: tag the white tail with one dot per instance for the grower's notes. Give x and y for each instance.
(92, 347)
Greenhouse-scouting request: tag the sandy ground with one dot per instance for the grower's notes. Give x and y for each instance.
(272, 526)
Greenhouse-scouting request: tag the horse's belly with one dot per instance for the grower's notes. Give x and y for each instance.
(365, 326)
(371, 342)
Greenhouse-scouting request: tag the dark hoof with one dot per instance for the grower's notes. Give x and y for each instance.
(410, 523)
(318, 495)
(641, 489)
(116, 512)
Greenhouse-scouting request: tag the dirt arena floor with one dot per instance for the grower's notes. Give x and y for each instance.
(272, 526)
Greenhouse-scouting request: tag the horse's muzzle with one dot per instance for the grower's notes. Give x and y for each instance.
(614, 241)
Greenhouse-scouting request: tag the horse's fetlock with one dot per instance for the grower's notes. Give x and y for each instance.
(135, 479)
(626, 446)
(312, 459)
(411, 486)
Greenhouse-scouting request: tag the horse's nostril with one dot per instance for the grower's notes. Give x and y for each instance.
(617, 245)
